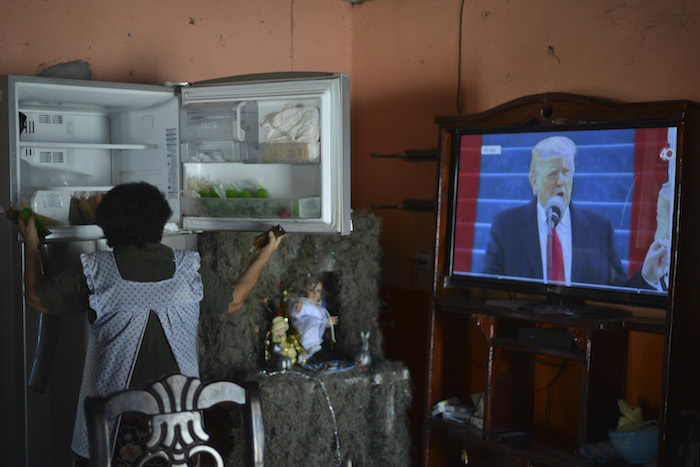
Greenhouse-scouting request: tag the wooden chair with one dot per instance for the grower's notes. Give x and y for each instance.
(174, 408)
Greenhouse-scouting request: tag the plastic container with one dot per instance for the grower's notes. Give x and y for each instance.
(637, 447)
(256, 208)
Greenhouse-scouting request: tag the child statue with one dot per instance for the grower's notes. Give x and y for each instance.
(309, 316)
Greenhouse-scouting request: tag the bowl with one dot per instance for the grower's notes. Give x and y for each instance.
(637, 447)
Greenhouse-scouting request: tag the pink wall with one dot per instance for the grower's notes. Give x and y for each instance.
(158, 40)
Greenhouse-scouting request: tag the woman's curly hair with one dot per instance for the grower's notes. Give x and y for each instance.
(133, 214)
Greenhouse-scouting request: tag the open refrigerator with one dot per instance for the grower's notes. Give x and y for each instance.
(242, 153)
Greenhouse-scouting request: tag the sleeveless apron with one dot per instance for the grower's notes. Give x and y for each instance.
(122, 309)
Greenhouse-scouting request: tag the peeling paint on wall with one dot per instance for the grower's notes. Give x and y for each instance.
(77, 69)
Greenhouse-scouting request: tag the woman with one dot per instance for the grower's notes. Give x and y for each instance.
(145, 298)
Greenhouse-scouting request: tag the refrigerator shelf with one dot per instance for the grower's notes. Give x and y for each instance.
(74, 232)
(254, 208)
(132, 147)
(67, 189)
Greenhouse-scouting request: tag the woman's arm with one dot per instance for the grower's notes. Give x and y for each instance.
(249, 277)
(32, 265)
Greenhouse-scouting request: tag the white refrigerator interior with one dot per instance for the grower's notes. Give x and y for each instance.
(238, 156)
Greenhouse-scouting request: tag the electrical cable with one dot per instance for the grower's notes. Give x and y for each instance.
(564, 365)
(459, 60)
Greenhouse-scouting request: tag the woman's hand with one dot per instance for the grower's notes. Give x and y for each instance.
(27, 229)
(273, 242)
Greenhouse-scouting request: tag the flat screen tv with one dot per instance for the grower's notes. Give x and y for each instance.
(616, 198)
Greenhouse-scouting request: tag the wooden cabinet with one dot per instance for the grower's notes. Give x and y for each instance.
(506, 369)
(477, 345)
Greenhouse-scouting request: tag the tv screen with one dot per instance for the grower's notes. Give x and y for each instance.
(611, 189)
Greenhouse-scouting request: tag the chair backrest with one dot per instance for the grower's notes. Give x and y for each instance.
(174, 408)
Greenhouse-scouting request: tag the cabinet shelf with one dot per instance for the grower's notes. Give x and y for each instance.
(538, 446)
(513, 344)
(449, 425)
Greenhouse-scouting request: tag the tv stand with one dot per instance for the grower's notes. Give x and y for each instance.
(474, 345)
(592, 351)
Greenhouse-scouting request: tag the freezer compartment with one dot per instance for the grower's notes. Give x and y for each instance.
(76, 140)
(266, 131)
(255, 208)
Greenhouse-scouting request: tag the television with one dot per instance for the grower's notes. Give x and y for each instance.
(621, 201)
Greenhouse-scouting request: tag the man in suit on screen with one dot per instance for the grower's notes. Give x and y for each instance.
(581, 249)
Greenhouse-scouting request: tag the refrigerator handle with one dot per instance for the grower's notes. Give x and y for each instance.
(238, 131)
(45, 351)
(45, 343)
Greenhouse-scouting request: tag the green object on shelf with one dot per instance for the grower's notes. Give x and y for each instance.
(210, 193)
(25, 214)
(261, 192)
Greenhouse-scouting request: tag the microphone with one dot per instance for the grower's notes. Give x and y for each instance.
(554, 208)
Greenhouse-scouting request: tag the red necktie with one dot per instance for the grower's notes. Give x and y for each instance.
(557, 259)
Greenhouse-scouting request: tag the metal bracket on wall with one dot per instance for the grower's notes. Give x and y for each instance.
(412, 155)
(424, 205)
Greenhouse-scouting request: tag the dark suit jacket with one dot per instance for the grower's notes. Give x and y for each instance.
(514, 249)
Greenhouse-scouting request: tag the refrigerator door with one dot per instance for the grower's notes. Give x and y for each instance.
(267, 149)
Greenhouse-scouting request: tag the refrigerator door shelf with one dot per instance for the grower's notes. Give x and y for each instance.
(254, 208)
(254, 153)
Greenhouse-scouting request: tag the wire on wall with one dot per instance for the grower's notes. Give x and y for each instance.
(459, 60)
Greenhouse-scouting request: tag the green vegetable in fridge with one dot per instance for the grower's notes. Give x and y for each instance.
(209, 193)
(41, 229)
(261, 192)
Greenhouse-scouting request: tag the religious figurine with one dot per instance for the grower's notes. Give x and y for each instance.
(283, 351)
(309, 316)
